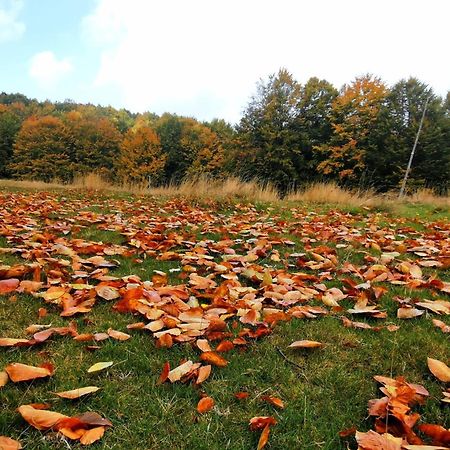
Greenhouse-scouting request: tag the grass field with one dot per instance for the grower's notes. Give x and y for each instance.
(259, 274)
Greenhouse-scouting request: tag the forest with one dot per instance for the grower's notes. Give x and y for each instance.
(290, 135)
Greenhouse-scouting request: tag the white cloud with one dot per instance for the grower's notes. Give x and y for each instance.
(204, 57)
(10, 27)
(47, 70)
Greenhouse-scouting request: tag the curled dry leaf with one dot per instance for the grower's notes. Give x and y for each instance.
(22, 372)
(205, 404)
(214, 359)
(374, 441)
(164, 374)
(7, 443)
(77, 393)
(260, 422)
(97, 367)
(306, 344)
(439, 369)
(408, 313)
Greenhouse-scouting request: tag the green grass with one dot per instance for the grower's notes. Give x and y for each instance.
(324, 390)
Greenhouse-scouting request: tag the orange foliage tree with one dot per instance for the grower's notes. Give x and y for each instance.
(354, 115)
(140, 157)
(41, 150)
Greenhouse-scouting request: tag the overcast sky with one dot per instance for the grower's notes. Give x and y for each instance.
(202, 58)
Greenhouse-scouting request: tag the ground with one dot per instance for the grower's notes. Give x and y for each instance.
(260, 275)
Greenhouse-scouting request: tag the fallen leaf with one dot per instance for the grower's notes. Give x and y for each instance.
(7, 443)
(92, 435)
(205, 404)
(40, 419)
(180, 371)
(118, 335)
(22, 372)
(264, 437)
(306, 344)
(214, 359)
(275, 401)
(439, 369)
(77, 393)
(97, 367)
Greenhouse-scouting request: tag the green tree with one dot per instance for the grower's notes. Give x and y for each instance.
(270, 147)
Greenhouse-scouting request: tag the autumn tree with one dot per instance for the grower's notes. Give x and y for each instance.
(192, 149)
(140, 157)
(354, 116)
(94, 143)
(41, 150)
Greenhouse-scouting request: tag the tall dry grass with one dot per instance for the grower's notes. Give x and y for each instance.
(333, 194)
(204, 188)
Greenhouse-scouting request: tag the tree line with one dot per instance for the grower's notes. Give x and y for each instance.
(289, 135)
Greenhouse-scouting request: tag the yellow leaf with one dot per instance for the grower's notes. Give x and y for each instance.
(100, 366)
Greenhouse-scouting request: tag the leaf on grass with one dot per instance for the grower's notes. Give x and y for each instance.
(40, 419)
(264, 437)
(260, 422)
(77, 393)
(441, 325)
(164, 374)
(7, 443)
(439, 434)
(11, 342)
(181, 370)
(306, 344)
(21, 372)
(3, 378)
(118, 335)
(107, 292)
(408, 313)
(214, 359)
(203, 374)
(241, 395)
(8, 286)
(92, 435)
(439, 369)
(97, 367)
(205, 404)
(275, 401)
(374, 441)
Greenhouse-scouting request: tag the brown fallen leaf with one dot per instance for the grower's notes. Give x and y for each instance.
(7, 443)
(439, 434)
(260, 422)
(11, 342)
(21, 372)
(306, 344)
(7, 286)
(408, 313)
(439, 369)
(205, 404)
(241, 395)
(374, 441)
(3, 378)
(441, 325)
(77, 393)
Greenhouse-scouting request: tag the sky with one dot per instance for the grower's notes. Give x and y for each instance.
(203, 58)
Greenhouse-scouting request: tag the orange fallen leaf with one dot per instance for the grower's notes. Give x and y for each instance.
(214, 359)
(118, 335)
(205, 404)
(260, 422)
(7, 443)
(374, 441)
(441, 325)
(11, 342)
(264, 437)
(275, 401)
(241, 395)
(180, 371)
(225, 346)
(439, 369)
(203, 374)
(439, 434)
(22, 372)
(77, 393)
(40, 419)
(164, 374)
(7, 286)
(92, 435)
(3, 378)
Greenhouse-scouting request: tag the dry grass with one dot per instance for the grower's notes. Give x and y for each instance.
(428, 197)
(232, 188)
(206, 188)
(333, 194)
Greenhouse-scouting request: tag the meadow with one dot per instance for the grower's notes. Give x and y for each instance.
(192, 297)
